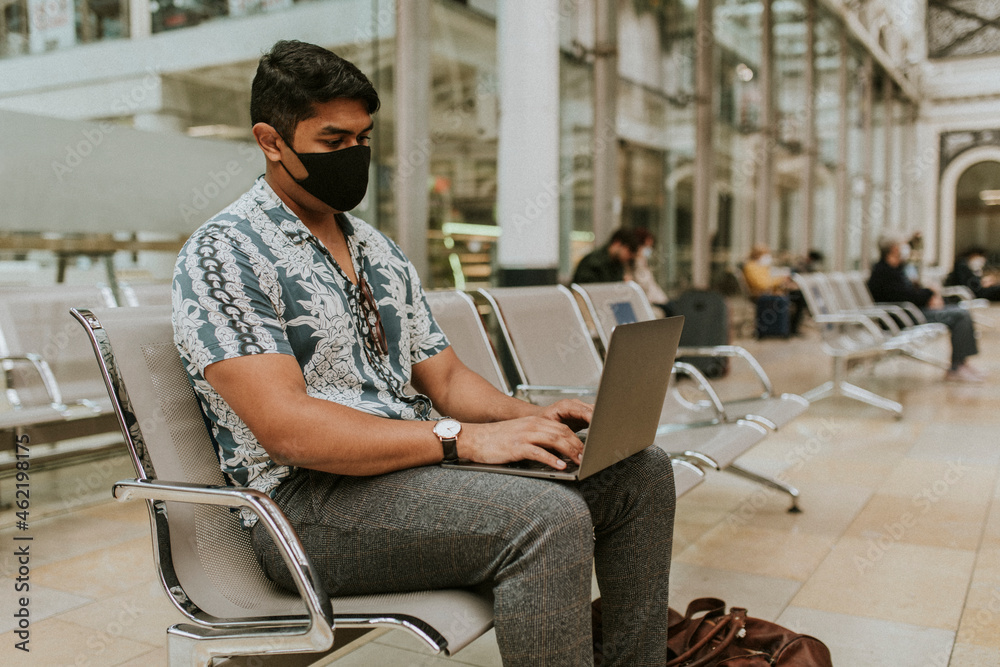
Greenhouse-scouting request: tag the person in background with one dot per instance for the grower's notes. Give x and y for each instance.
(643, 276)
(968, 272)
(610, 262)
(760, 281)
(912, 251)
(811, 263)
(888, 282)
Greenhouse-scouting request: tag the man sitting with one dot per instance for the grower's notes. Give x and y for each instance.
(301, 326)
(968, 272)
(888, 282)
(611, 262)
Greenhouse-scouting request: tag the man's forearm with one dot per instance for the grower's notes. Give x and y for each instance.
(468, 397)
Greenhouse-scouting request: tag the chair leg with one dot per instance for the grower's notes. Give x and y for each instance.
(857, 393)
(768, 481)
(823, 391)
(183, 650)
(838, 386)
(927, 359)
(194, 646)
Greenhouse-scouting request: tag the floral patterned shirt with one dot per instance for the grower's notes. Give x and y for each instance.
(254, 280)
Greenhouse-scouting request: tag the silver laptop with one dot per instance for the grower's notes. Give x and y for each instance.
(629, 399)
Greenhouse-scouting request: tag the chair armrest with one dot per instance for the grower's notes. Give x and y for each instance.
(697, 459)
(731, 351)
(44, 372)
(703, 384)
(319, 632)
(916, 315)
(961, 291)
(851, 318)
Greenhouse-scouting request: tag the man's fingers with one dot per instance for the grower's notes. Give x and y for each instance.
(558, 437)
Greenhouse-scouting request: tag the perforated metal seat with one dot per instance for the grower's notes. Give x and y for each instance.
(52, 386)
(207, 566)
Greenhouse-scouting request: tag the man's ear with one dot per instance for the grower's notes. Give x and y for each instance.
(272, 143)
(267, 138)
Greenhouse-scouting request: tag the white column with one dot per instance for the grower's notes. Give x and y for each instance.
(606, 218)
(704, 163)
(528, 180)
(140, 18)
(769, 130)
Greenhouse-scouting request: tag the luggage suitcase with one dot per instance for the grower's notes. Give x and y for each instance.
(773, 316)
(706, 322)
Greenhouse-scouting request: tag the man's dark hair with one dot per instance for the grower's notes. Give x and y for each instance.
(973, 251)
(629, 238)
(295, 76)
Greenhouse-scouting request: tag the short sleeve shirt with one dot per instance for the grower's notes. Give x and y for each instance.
(254, 280)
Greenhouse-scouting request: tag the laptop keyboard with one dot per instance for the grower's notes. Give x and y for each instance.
(531, 464)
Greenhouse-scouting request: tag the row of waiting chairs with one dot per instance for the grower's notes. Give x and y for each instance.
(853, 326)
(206, 562)
(547, 337)
(53, 389)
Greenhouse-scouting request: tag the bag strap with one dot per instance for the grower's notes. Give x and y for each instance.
(687, 627)
(733, 625)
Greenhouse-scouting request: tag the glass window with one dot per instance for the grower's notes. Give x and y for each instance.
(880, 134)
(740, 144)
(676, 148)
(826, 98)
(463, 149)
(790, 96)
(977, 213)
(857, 176)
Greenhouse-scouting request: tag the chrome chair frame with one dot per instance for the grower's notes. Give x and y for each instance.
(271, 622)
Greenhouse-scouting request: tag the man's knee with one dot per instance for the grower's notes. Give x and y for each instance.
(648, 474)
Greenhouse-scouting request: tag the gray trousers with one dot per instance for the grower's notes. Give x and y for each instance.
(963, 335)
(532, 541)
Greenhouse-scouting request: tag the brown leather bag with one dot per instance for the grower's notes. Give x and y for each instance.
(707, 636)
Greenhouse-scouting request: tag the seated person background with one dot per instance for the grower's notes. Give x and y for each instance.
(610, 262)
(889, 282)
(642, 275)
(760, 281)
(968, 272)
(810, 263)
(301, 326)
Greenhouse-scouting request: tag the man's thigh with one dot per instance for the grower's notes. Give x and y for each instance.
(423, 528)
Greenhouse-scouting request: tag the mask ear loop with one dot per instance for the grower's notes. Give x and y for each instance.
(291, 150)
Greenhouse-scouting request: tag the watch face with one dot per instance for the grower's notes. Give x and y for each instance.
(447, 428)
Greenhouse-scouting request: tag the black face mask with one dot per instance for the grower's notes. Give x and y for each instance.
(339, 179)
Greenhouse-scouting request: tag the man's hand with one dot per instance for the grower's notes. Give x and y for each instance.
(936, 302)
(539, 438)
(574, 413)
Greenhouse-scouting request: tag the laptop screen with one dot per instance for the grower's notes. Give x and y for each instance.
(623, 312)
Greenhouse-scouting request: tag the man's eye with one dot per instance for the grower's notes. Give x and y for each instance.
(364, 140)
(334, 144)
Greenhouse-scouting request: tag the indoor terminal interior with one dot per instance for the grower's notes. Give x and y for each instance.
(514, 138)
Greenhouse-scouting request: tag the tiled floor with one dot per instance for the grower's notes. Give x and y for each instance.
(895, 560)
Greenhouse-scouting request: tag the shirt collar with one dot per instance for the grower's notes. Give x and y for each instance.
(289, 223)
